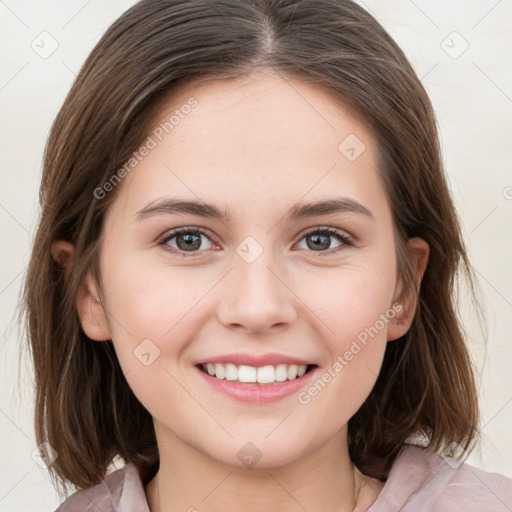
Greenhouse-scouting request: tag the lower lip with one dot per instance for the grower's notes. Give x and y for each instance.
(249, 392)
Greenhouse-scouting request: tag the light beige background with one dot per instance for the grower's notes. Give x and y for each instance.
(471, 89)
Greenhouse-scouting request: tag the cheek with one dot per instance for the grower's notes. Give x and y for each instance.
(355, 308)
(152, 322)
(154, 314)
(153, 304)
(354, 329)
(352, 299)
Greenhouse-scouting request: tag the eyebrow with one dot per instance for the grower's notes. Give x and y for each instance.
(208, 210)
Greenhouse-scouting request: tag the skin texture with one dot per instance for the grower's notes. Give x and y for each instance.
(255, 146)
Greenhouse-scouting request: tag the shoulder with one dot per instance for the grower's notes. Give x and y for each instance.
(422, 481)
(120, 491)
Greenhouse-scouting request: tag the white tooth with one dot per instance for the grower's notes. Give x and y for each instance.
(220, 371)
(281, 372)
(210, 368)
(292, 371)
(266, 374)
(231, 372)
(246, 374)
(302, 370)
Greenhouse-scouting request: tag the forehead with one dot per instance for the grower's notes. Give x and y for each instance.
(259, 139)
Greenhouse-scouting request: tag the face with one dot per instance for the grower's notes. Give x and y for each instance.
(267, 288)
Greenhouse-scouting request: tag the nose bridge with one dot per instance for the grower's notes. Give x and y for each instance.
(258, 298)
(255, 279)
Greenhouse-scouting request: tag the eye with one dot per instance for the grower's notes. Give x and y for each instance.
(188, 241)
(184, 240)
(319, 240)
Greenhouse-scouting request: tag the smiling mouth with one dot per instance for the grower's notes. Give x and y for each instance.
(269, 374)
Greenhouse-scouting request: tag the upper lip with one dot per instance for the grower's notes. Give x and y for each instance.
(239, 359)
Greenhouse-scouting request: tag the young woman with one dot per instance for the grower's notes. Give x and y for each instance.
(242, 280)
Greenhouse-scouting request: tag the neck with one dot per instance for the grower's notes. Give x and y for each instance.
(325, 480)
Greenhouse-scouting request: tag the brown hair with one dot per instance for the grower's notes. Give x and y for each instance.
(84, 406)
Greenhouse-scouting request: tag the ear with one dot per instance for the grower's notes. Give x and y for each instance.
(92, 315)
(419, 252)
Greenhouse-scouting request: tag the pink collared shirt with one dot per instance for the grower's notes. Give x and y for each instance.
(419, 481)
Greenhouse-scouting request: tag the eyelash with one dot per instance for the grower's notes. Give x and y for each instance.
(342, 237)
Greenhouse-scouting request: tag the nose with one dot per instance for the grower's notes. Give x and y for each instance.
(256, 297)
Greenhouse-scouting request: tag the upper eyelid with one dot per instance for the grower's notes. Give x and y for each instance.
(176, 231)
